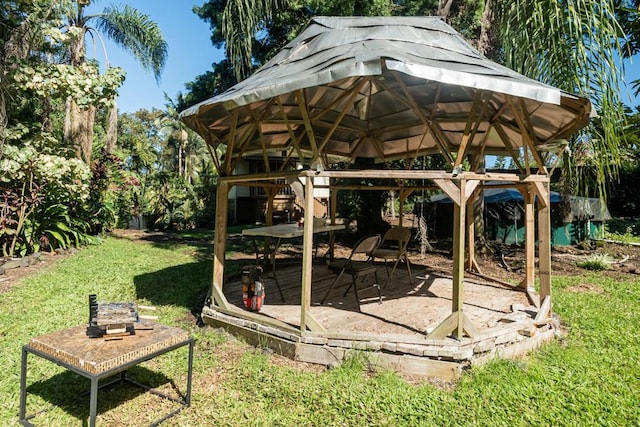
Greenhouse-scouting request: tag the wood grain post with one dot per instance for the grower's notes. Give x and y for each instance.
(544, 241)
(307, 256)
(459, 226)
(529, 238)
(220, 244)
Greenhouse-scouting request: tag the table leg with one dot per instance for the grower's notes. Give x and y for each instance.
(273, 267)
(187, 398)
(23, 386)
(332, 241)
(93, 402)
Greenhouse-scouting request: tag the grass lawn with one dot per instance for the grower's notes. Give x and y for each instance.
(590, 377)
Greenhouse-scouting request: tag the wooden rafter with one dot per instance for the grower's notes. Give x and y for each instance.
(292, 135)
(441, 140)
(265, 155)
(231, 140)
(360, 141)
(244, 145)
(428, 123)
(331, 106)
(307, 122)
(528, 137)
(479, 157)
(213, 151)
(376, 145)
(343, 112)
(416, 152)
(469, 132)
(508, 145)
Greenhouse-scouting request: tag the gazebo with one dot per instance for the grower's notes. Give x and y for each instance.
(383, 89)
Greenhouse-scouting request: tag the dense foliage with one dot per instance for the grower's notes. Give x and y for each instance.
(64, 175)
(71, 167)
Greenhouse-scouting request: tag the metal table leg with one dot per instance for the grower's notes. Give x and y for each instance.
(23, 386)
(93, 402)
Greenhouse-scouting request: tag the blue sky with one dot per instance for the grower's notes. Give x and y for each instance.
(190, 54)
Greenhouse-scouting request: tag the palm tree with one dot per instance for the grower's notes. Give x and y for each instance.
(130, 29)
(184, 146)
(241, 20)
(574, 45)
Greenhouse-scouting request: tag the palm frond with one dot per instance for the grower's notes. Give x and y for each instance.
(241, 20)
(137, 34)
(573, 45)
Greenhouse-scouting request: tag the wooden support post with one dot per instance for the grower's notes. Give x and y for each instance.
(470, 262)
(544, 241)
(306, 319)
(334, 202)
(529, 239)
(457, 323)
(220, 244)
(400, 207)
(459, 222)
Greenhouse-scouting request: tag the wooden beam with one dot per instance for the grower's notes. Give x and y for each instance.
(413, 105)
(302, 105)
(343, 112)
(529, 238)
(467, 136)
(544, 246)
(508, 145)
(292, 134)
(219, 245)
(307, 259)
(450, 189)
(214, 158)
(478, 160)
(243, 144)
(528, 136)
(231, 141)
(459, 221)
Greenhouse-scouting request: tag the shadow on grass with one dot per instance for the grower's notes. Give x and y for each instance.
(70, 392)
(180, 285)
(185, 285)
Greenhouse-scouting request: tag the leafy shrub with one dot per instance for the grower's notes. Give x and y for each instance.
(39, 192)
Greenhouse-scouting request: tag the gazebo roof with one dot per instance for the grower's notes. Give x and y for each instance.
(385, 88)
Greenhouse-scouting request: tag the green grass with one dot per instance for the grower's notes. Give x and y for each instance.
(590, 377)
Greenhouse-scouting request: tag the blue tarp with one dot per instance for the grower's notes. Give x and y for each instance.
(496, 195)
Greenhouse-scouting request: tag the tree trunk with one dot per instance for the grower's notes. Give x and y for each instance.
(82, 120)
(112, 129)
(444, 7)
(488, 43)
(66, 133)
(47, 126)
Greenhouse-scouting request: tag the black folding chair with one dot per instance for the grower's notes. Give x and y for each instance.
(359, 264)
(394, 248)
